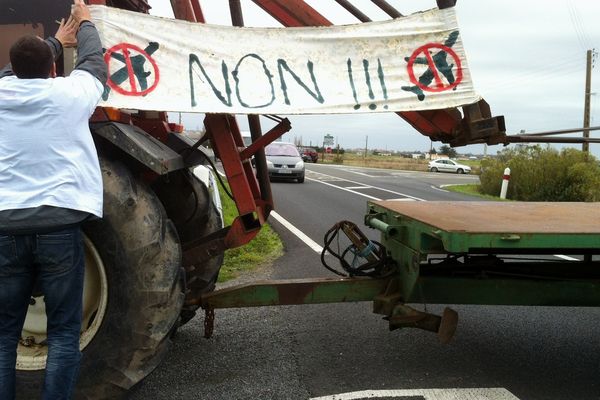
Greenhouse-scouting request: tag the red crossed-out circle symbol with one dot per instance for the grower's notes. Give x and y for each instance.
(125, 51)
(439, 85)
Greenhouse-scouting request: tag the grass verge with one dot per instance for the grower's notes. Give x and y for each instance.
(472, 189)
(265, 248)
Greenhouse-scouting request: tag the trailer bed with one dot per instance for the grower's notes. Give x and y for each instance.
(472, 226)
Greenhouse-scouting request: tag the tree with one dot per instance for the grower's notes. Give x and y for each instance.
(448, 151)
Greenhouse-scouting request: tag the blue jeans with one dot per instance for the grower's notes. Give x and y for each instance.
(54, 263)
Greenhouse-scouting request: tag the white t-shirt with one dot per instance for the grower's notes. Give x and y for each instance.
(47, 155)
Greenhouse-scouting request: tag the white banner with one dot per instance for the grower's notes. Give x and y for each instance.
(411, 63)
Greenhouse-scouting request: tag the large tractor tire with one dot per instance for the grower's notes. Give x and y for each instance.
(191, 206)
(132, 298)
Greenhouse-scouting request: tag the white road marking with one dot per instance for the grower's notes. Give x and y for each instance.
(299, 234)
(345, 167)
(362, 184)
(362, 173)
(395, 172)
(566, 257)
(441, 190)
(321, 176)
(345, 189)
(307, 240)
(427, 394)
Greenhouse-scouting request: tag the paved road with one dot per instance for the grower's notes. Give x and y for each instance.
(334, 193)
(322, 350)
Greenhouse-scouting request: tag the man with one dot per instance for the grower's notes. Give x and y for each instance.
(50, 182)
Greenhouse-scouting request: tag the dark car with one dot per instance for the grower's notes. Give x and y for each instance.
(309, 154)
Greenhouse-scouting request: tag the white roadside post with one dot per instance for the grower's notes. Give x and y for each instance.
(505, 180)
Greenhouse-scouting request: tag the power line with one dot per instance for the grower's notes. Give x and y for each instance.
(508, 81)
(578, 26)
(583, 26)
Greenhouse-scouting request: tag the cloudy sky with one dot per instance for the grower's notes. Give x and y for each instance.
(527, 59)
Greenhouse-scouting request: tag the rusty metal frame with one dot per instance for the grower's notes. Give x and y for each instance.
(253, 206)
(292, 13)
(387, 8)
(251, 193)
(295, 292)
(548, 136)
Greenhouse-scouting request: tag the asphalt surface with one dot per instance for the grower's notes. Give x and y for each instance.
(302, 352)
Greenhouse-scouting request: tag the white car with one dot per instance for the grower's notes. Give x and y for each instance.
(447, 165)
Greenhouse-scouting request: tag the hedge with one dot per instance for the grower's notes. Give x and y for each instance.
(543, 174)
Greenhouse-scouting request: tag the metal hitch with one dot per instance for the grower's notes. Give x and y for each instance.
(390, 303)
(404, 316)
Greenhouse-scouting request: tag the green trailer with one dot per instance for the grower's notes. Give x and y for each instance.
(488, 253)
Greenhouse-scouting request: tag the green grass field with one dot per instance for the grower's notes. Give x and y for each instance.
(265, 248)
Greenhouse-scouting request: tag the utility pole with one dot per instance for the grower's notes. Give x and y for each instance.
(366, 145)
(586, 108)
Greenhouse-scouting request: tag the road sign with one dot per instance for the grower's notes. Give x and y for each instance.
(328, 140)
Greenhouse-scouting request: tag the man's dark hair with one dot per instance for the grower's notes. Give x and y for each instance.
(31, 58)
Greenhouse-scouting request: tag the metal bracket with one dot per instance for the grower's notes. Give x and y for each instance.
(407, 317)
(253, 204)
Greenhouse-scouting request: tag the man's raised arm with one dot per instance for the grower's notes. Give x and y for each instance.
(64, 37)
(89, 47)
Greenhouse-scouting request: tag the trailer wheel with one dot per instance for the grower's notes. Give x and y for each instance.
(136, 248)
